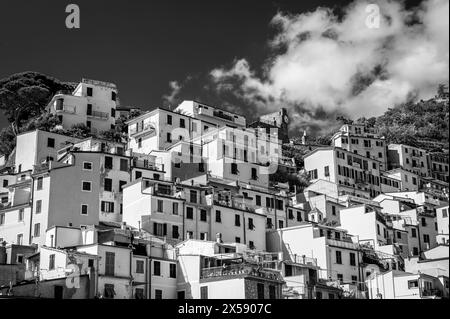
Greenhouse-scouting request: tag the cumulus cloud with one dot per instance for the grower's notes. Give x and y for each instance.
(322, 63)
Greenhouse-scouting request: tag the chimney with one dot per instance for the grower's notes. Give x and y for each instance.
(219, 238)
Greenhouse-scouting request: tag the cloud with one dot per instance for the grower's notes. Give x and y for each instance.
(175, 89)
(337, 64)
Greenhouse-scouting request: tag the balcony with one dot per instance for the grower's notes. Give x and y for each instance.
(431, 293)
(147, 165)
(64, 108)
(223, 116)
(98, 115)
(246, 270)
(141, 131)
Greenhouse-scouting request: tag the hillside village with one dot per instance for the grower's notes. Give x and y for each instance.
(194, 202)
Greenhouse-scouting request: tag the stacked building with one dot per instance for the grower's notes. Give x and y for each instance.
(186, 208)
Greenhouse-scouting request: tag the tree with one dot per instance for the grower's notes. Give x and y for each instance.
(25, 95)
(344, 120)
(7, 141)
(79, 130)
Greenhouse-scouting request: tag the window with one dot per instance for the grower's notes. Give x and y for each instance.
(258, 200)
(237, 220)
(19, 259)
(109, 291)
(299, 216)
(354, 279)
(330, 295)
(378, 229)
(108, 162)
(159, 229)
(51, 262)
(280, 224)
(107, 207)
(415, 251)
(189, 213)
(139, 266)
(37, 230)
(124, 164)
(86, 186)
(399, 235)
(201, 167)
(169, 137)
(173, 271)
(139, 293)
(175, 233)
(204, 292)
(340, 277)
(156, 268)
(51, 142)
(327, 171)
(413, 284)
(20, 217)
(254, 174)
(352, 259)
(251, 226)
(87, 166)
(234, 169)
(5, 183)
(91, 263)
(169, 119)
(121, 185)
(193, 196)
(272, 292)
(182, 123)
(89, 91)
(194, 127)
(260, 290)
(444, 213)
(40, 181)
(89, 109)
(175, 208)
(251, 244)
(426, 238)
(333, 210)
(413, 233)
(84, 209)
(138, 175)
(38, 206)
(19, 239)
(2, 219)
(237, 239)
(158, 294)
(108, 185)
(139, 142)
(269, 222)
(109, 263)
(160, 206)
(218, 216)
(338, 257)
(318, 295)
(290, 214)
(113, 114)
(203, 215)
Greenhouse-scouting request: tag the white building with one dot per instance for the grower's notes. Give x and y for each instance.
(92, 103)
(411, 159)
(442, 224)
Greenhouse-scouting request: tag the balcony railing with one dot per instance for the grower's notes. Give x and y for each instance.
(71, 109)
(240, 270)
(148, 128)
(98, 114)
(223, 116)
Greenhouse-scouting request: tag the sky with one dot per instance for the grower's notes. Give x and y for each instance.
(315, 58)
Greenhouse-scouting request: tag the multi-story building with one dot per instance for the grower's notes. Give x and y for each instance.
(338, 257)
(92, 103)
(442, 224)
(407, 180)
(359, 139)
(38, 147)
(409, 158)
(402, 285)
(216, 270)
(355, 174)
(438, 166)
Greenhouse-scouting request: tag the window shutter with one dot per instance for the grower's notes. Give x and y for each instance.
(103, 206)
(165, 230)
(155, 228)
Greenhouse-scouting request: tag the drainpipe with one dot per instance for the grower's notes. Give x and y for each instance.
(31, 211)
(184, 220)
(243, 225)
(131, 273)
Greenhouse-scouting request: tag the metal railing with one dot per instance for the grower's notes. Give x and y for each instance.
(141, 130)
(238, 270)
(98, 114)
